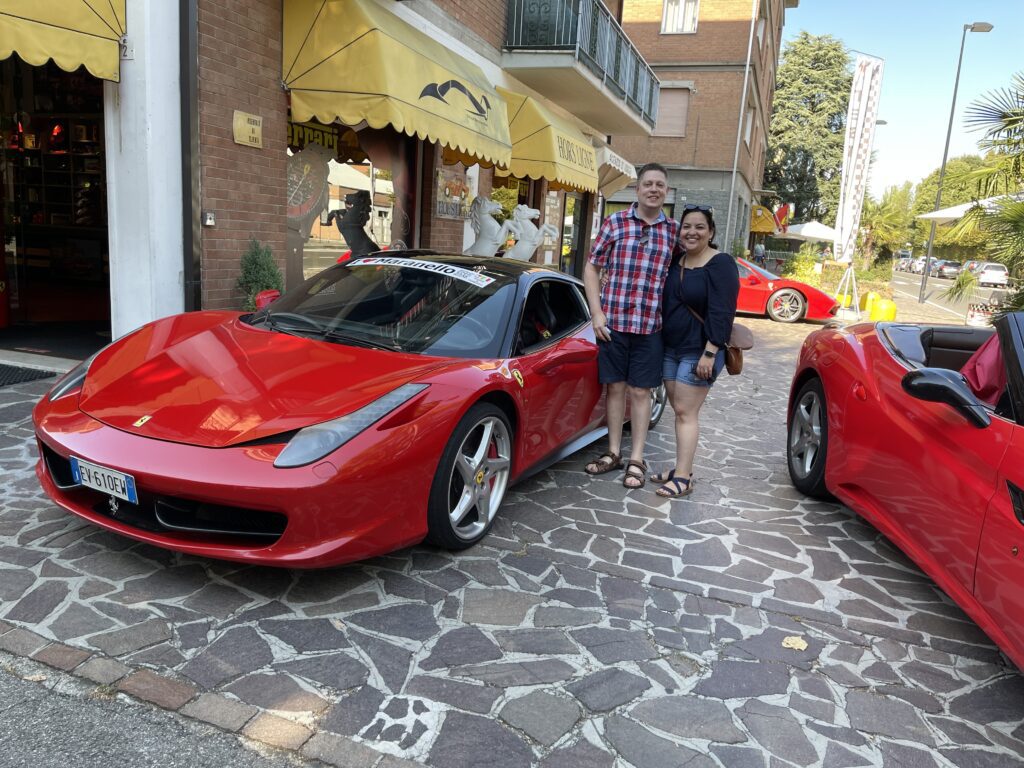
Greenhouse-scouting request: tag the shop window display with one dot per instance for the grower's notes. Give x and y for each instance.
(53, 193)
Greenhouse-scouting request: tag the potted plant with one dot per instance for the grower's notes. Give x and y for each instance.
(259, 273)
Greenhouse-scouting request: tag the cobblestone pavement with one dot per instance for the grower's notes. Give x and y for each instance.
(592, 627)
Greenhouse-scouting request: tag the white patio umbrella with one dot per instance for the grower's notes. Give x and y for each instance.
(954, 212)
(813, 231)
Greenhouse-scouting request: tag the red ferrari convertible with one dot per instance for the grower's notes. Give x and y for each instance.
(881, 417)
(385, 400)
(782, 299)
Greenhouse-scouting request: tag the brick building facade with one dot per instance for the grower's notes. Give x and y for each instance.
(699, 49)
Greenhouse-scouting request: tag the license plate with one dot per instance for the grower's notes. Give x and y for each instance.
(104, 480)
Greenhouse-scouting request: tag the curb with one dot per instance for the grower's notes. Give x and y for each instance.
(185, 698)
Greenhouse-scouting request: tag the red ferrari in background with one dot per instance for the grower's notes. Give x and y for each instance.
(385, 400)
(880, 417)
(782, 299)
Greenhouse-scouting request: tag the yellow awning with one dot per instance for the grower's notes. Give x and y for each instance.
(544, 146)
(615, 171)
(761, 220)
(71, 32)
(352, 60)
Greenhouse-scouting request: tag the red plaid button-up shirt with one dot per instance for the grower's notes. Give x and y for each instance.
(635, 256)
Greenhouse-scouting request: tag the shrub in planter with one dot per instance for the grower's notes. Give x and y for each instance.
(259, 272)
(802, 266)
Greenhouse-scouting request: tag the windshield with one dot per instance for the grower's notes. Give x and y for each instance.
(432, 307)
(762, 272)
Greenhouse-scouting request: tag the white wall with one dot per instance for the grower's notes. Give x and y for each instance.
(144, 197)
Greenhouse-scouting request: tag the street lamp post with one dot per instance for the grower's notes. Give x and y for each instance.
(978, 26)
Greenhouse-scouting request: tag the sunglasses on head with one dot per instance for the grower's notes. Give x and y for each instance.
(702, 208)
(645, 234)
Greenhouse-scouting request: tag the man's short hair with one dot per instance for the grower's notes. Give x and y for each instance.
(647, 167)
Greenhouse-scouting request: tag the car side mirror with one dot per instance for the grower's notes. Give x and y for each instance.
(266, 298)
(941, 385)
(753, 280)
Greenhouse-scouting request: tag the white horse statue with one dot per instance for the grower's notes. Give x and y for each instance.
(490, 235)
(528, 235)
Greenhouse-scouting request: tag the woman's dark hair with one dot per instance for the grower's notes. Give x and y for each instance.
(709, 215)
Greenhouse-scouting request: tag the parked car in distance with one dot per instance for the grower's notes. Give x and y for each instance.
(992, 273)
(783, 300)
(903, 263)
(881, 418)
(947, 268)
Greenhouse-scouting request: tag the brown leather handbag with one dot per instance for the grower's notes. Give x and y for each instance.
(740, 339)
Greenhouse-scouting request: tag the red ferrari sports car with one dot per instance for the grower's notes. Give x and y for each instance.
(383, 401)
(881, 417)
(782, 299)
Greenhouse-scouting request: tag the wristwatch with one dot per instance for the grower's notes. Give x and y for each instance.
(708, 353)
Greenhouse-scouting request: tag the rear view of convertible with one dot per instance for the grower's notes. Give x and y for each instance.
(881, 417)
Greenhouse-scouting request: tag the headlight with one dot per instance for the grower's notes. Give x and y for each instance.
(317, 441)
(71, 380)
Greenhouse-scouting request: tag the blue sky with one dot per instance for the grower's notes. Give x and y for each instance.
(920, 41)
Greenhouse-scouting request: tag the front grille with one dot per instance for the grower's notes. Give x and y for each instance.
(183, 519)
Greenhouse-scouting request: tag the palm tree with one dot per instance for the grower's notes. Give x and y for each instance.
(1000, 114)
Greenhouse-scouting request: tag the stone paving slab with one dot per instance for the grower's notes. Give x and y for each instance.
(593, 627)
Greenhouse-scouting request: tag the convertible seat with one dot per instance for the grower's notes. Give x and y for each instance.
(951, 346)
(985, 372)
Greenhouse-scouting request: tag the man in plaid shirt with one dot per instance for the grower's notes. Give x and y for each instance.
(634, 248)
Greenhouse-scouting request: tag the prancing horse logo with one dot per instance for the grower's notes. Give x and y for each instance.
(439, 90)
(114, 505)
(142, 421)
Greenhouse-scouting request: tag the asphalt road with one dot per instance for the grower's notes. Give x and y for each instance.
(907, 285)
(51, 720)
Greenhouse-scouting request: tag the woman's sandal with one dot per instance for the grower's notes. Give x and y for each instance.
(675, 487)
(606, 462)
(637, 477)
(664, 477)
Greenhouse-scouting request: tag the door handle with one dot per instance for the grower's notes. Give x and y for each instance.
(1017, 498)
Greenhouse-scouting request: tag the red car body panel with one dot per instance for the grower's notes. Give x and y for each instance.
(223, 398)
(756, 288)
(918, 471)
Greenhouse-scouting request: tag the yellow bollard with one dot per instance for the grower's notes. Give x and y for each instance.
(867, 301)
(883, 309)
(844, 299)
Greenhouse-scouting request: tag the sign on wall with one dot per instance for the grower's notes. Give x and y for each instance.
(452, 195)
(247, 129)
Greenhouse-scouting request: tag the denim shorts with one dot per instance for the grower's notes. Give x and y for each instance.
(634, 358)
(680, 367)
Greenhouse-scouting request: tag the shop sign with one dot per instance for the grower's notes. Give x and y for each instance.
(452, 194)
(247, 129)
(302, 134)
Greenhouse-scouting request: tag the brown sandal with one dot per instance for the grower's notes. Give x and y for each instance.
(606, 462)
(638, 477)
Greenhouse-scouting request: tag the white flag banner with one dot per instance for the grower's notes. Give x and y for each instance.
(860, 134)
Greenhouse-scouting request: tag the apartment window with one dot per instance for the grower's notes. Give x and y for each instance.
(748, 130)
(679, 17)
(673, 107)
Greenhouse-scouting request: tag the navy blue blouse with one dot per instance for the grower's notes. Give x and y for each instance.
(711, 292)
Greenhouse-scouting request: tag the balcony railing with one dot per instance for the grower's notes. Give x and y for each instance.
(587, 29)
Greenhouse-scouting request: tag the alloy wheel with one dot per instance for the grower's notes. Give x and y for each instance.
(805, 434)
(479, 478)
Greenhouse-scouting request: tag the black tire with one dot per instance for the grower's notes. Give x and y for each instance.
(787, 305)
(468, 488)
(807, 440)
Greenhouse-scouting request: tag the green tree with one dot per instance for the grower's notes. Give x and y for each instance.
(960, 185)
(885, 224)
(259, 272)
(805, 143)
(1000, 115)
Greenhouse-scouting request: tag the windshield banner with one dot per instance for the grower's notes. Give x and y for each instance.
(448, 270)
